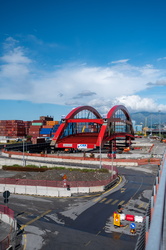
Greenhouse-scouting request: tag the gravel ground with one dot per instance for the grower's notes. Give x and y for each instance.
(57, 175)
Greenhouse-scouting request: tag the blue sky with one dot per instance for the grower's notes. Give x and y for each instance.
(57, 55)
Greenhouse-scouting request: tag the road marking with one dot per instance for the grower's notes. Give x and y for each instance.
(120, 203)
(98, 233)
(102, 200)
(122, 190)
(114, 202)
(25, 241)
(141, 205)
(97, 199)
(37, 218)
(146, 205)
(88, 243)
(107, 202)
(126, 226)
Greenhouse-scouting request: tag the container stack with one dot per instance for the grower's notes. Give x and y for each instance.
(48, 129)
(12, 128)
(34, 129)
(45, 127)
(27, 126)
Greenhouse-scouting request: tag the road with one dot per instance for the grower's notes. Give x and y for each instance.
(85, 222)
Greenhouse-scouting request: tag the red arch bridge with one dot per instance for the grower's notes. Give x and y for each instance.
(84, 129)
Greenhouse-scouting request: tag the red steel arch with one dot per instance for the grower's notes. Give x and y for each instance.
(100, 138)
(70, 118)
(116, 108)
(109, 118)
(79, 109)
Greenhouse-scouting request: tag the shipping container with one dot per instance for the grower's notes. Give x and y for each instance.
(46, 118)
(47, 126)
(37, 123)
(55, 128)
(52, 123)
(45, 130)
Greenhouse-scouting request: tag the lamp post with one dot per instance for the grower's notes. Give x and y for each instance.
(23, 156)
(159, 125)
(112, 158)
(100, 152)
(151, 124)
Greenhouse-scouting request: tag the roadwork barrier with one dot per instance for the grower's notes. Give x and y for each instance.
(7, 216)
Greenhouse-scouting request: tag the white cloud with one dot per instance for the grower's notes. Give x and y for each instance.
(15, 56)
(15, 73)
(161, 82)
(135, 102)
(121, 61)
(161, 58)
(76, 83)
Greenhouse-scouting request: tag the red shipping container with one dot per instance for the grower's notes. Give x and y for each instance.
(47, 126)
(129, 217)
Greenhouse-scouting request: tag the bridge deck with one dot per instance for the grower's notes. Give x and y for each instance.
(80, 138)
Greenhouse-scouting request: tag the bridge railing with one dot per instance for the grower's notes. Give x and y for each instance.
(156, 239)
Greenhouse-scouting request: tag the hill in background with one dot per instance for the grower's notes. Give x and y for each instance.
(149, 118)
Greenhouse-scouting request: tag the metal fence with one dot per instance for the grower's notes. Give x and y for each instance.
(153, 233)
(48, 183)
(157, 233)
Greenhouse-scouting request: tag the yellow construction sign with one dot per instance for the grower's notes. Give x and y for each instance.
(117, 220)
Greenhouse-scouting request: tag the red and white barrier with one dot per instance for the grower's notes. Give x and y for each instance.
(130, 217)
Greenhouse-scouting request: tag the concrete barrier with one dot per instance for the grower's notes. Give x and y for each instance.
(83, 189)
(74, 190)
(10, 188)
(64, 193)
(48, 191)
(51, 162)
(96, 189)
(52, 191)
(2, 188)
(42, 190)
(20, 189)
(31, 190)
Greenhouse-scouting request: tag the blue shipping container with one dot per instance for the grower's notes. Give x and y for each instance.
(55, 128)
(45, 131)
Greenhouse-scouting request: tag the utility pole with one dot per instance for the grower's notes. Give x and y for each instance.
(112, 158)
(23, 156)
(159, 124)
(100, 154)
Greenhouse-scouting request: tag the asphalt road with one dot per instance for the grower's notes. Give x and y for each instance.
(85, 222)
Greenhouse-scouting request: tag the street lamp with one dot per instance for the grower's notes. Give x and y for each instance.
(23, 156)
(100, 152)
(112, 158)
(159, 124)
(151, 124)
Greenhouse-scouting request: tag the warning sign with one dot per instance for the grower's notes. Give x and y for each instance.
(117, 220)
(64, 177)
